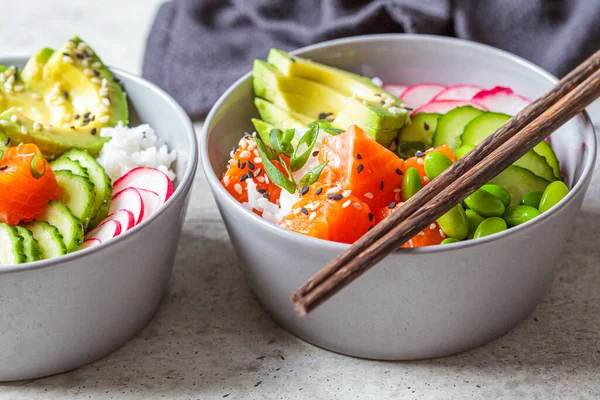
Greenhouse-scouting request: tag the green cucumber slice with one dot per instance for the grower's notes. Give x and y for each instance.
(486, 124)
(545, 150)
(77, 194)
(30, 245)
(417, 135)
(11, 246)
(519, 181)
(48, 237)
(66, 164)
(70, 228)
(450, 126)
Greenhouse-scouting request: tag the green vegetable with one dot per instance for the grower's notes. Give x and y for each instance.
(435, 163)
(498, 191)
(517, 215)
(455, 223)
(71, 230)
(463, 150)
(452, 124)
(77, 194)
(325, 126)
(474, 221)
(532, 199)
(11, 246)
(417, 135)
(312, 176)
(48, 237)
(555, 192)
(35, 167)
(450, 240)
(297, 161)
(281, 141)
(30, 245)
(489, 226)
(411, 183)
(485, 204)
(271, 170)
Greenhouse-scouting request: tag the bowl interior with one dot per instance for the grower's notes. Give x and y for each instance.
(410, 59)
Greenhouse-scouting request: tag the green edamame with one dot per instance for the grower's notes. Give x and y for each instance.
(489, 226)
(485, 204)
(554, 193)
(435, 163)
(455, 223)
(461, 151)
(519, 214)
(474, 221)
(499, 192)
(411, 183)
(531, 199)
(450, 240)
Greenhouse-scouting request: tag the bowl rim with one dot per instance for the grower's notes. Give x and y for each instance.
(185, 180)
(219, 190)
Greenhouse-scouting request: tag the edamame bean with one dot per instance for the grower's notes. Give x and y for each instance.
(411, 183)
(474, 221)
(554, 193)
(455, 223)
(450, 240)
(435, 163)
(531, 199)
(489, 226)
(485, 204)
(519, 214)
(499, 192)
(461, 151)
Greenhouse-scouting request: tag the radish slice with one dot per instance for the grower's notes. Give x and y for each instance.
(128, 199)
(90, 242)
(125, 217)
(146, 178)
(107, 230)
(501, 99)
(442, 107)
(417, 95)
(151, 202)
(458, 92)
(396, 90)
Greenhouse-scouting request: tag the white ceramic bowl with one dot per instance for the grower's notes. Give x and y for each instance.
(59, 314)
(417, 303)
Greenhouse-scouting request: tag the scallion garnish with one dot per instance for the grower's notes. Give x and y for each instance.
(35, 170)
(297, 161)
(267, 155)
(313, 175)
(326, 127)
(281, 141)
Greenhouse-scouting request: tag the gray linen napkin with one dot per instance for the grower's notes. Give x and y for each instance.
(197, 48)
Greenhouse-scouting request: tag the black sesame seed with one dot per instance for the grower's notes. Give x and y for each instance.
(419, 153)
(2, 168)
(79, 56)
(93, 117)
(72, 127)
(250, 175)
(426, 126)
(292, 59)
(76, 116)
(66, 95)
(239, 162)
(304, 190)
(335, 196)
(87, 114)
(382, 102)
(261, 190)
(360, 168)
(243, 177)
(398, 171)
(251, 165)
(94, 130)
(86, 120)
(304, 211)
(381, 185)
(322, 115)
(66, 54)
(392, 205)
(371, 216)
(6, 141)
(315, 153)
(407, 108)
(243, 165)
(319, 191)
(358, 156)
(96, 72)
(266, 196)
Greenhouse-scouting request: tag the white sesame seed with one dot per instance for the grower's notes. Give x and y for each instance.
(432, 226)
(18, 88)
(312, 216)
(105, 101)
(333, 190)
(267, 179)
(103, 92)
(104, 119)
(20, 109)
(9, 72)
(14, 118)
(245, 154)
(346, 203)
(261, 179)
(420, 161)
(81, 46)
(238, 188)
(397, 197)
(88, 72)
(4, 122)
(35, 96)
(421, 233)
(103, 108)
(104, 82)
(397, 190)
(368, 195)
(358, 206)
(67, 60)
(258, 171)
(226, 180)
(256, 153)
(48, 127)
(347, 193)
(257, 160)
(23, 130)
(426, 179)
(85, 62)
(442, 234)
(97, 64)
(59, 101)
(8, 86)
(36, 126)
(11, 79)
(96, 80)
(251, 145)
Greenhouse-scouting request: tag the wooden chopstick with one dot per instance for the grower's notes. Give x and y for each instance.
(557, 106)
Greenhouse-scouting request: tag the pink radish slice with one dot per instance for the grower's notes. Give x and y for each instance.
(417, 95)
(443, 106)
(396, 90)
(106, 230)
(458, 92)
(151, 202)
(128, 199)
(502, 100)
(90, 242)
(146, 178)
(125, 217)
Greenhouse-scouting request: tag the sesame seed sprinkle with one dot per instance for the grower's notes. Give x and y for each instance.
(419, 153)
(420, 161)
(4, 122)
(261, 179)
(421, 233)
(346, 203)
(381, 185)
(93, 131)
(238, 188)
(6, 141)
(14, 118)
(96, 80)
(226, 180)
(335, 197)
(358, 206)
(442, 234)
(104, 119)
(106, 101)
(432, 226)
(245, 154)
(251, 166)
(371, 216)
(319, 191)
(333, 190)
(397, 190)
(398, 171)
(360, 168)
(347, 193)
(368, 195)
(315, 153)
(23, 130)
(304, 211)
(35, 96)
(88, 72)
(36, 126)
(312, 216)
(304, 190)
(257, 160)
(18, 88)
(392, 205)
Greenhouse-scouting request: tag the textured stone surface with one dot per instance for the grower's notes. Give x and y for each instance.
(211, 340)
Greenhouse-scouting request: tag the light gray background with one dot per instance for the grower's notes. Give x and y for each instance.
(211, 340)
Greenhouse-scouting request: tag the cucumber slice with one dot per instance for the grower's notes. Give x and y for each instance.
(48, 238)
(101, 181)
(77, 194)
(545, 150)
(66, 164)
(30, 245)
(417, 135)
(518, 181)
(11, 246)
(70, 228)
(486, 124)
(451, 125)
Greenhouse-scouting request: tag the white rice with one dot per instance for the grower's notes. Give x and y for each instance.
(134, 147)
(270, 211)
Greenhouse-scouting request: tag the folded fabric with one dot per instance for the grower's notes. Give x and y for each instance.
(197, 48)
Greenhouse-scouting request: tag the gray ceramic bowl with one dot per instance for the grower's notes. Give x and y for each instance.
(59, 314)
(416, 303)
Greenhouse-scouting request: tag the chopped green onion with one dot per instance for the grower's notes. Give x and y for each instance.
(278, 177)
(297, 161)
(326, 126)
(35, 172)
(282, 141)
(312, 176)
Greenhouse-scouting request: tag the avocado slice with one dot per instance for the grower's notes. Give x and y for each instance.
(62, 99)
(263, 129)
(279, 117)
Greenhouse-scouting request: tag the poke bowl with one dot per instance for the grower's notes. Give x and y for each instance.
(444, 294)
(110, 159)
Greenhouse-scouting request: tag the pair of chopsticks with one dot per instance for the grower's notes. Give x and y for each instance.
(516, 137)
